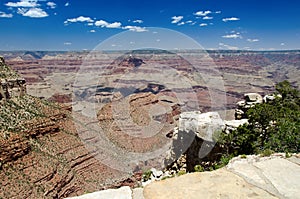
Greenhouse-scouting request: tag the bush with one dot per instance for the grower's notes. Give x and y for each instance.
(147, 175)
(198, 168)
(273, 126)
(181, 172)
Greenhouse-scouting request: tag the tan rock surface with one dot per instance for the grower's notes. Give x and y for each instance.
(216, 184)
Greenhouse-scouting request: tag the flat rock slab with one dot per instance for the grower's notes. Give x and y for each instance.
(276, 175)
(137, 193)
(121, 193)
(216, 184)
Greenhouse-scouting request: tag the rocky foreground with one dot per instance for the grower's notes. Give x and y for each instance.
(244, 177)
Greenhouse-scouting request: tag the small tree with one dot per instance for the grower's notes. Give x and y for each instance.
(272, 126)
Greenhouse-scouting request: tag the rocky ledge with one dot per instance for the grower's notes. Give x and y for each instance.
(244, 177)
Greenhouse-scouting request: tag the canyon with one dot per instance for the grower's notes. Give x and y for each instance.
(134, 98)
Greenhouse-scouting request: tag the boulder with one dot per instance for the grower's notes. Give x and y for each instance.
(156, 174)
(241, 103)
(269, 98)
(232, 125)
(195, 137)
(2, 61)
(203, 125)
(253, 97)
(239, 114)
(250, 99)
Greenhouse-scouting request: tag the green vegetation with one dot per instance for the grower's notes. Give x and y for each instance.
(198, 168)
(166, 177)
(273, 126)
(7, 73)
(147, 175)
(243, 156)
(15, 114)
(223, 161)
(181, 172)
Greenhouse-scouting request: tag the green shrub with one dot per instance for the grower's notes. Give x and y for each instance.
(198, 168)
(273, 126)
(243, 156)
(180, 173)
(147, 175)
(266, 153)
(166, 177)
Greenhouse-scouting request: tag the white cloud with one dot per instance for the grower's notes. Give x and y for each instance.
(176, 19)
(101, 23)
(203, 24)
(114, 25)
(23, 3)
(32, 12)
(90, 24)
(207, 18)
(253, 40)
(181, 23)
(230, 19)
(282, 44)
(51, 4)
(138, 21)
(105, 24)
(222, 45)
(67, 4)
(233, 36)
(79, 19)
(218, 12)
(92, 31)
(202, 13)
(67, 43)
(5, 15)
(135, 28)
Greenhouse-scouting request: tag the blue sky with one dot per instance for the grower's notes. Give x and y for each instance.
(215, 24)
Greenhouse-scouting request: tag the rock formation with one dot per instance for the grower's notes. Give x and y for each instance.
(10, 84)
(250, 99)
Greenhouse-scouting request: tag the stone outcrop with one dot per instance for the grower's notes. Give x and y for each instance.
(10, 84)
(250, 99)
(270, 98)
(194, 140)
(10, 88)
(231, 125)
(203, 125)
